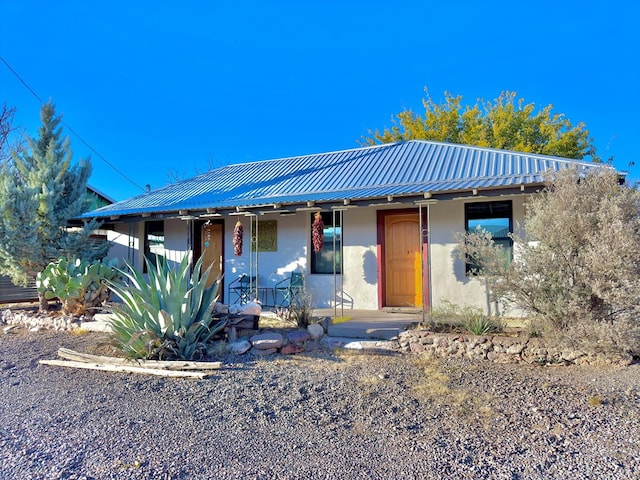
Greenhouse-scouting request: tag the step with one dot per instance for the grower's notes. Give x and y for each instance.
(360, 331)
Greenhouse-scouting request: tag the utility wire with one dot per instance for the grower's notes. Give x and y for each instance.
(113, 167)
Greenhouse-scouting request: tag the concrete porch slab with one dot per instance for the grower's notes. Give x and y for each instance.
(368, 324)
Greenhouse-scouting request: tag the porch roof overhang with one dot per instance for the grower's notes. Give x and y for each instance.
(291, 207)
(381, 176)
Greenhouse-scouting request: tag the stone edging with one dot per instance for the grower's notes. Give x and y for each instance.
(35, 321)
(495, 348)
(501, 349)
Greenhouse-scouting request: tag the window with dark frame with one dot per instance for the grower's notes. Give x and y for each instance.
(495, 218)
(322, 262)
(153, 242)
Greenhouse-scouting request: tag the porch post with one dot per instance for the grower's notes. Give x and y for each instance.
(335, 276)
(422, 258)
(253, 252)
(429, 302)
(341, 259)
(429, 288)
(335, 273)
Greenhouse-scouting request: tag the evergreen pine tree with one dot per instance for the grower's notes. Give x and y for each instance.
(40, 190)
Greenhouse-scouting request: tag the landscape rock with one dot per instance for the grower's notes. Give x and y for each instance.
(316, 331)
(291, 349)
(238, 348)
(267, 341)
(298, 336)
(502, 349)
(263, 352)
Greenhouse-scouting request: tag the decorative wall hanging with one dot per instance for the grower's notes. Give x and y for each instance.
(267, 236)
(317, 232)
(238, 233)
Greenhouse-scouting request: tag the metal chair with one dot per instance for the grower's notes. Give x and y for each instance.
(242, 289)
(290, 289)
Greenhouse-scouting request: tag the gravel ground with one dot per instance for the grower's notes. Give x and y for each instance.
(325, 414)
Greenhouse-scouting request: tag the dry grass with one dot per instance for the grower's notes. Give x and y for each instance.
(434, 388)
(348, 355)
(273, 321)
(595, 400)
(369, 382)
(79, 331)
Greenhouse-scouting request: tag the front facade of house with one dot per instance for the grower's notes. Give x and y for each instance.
(390, 213)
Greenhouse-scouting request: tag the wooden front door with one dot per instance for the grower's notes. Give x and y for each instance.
(211, 241)
(402, 267)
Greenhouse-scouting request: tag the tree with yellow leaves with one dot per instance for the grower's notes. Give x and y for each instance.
(507, 123)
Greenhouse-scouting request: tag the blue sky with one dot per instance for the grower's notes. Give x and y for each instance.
(166, 90)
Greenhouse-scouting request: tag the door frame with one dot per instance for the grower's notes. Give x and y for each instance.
(197, 247)
(381, 216)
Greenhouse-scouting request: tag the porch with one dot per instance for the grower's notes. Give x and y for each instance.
(369, 324)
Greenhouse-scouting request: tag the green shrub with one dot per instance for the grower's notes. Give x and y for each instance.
(481, 324)
(168, 316)
(472, 319)
(80, 285)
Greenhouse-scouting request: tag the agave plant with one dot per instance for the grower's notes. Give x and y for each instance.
(168, 315)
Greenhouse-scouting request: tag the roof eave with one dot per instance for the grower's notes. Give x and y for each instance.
(382, 201)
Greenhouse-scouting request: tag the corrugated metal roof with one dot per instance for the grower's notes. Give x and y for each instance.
(399, 169)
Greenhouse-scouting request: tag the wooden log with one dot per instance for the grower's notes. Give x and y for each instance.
(127, 368)
(158, 364)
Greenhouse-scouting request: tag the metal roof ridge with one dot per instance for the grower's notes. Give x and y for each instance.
(501, 150)
(308, 155)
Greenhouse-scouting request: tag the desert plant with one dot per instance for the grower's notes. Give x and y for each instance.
(300, 311)
(80, 285)
(471, 318)
(42, 188)
(168, 316)
(445, 313)
(576, 266)
(480, 324)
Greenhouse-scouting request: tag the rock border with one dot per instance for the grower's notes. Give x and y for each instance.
(495, 348)
(502, 349)
(35, 320)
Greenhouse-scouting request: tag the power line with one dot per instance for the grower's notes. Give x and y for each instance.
(113, 167)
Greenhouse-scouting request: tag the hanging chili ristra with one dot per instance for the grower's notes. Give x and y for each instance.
(317, 232)
(238, 233)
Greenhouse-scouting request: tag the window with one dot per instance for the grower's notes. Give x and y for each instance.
(495, 218)
(153, 241)
(323, 261)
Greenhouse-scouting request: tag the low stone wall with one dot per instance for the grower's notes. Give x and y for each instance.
(245, 340)
(495, 348)
(36, 320)
(501, 349)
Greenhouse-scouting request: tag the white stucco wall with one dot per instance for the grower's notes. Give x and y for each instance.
(293, 247)
(448, 279)
(360, 287)
(271, 267)
(176, 240)
(127, 241)
(121, 238)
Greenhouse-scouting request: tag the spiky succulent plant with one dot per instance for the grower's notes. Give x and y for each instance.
(167, 316)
